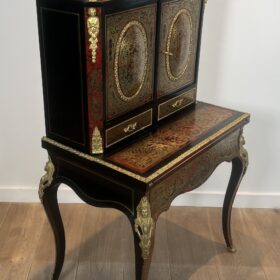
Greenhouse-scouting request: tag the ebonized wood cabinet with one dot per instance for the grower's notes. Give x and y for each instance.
(113, 69)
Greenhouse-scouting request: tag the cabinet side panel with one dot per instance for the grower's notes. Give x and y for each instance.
(62, 75)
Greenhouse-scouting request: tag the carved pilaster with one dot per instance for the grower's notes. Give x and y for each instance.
(144, 227)
(46, 179)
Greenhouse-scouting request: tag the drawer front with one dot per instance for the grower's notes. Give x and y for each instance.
(130, 48)
(179, 28)
(128, 127)
(176, 104)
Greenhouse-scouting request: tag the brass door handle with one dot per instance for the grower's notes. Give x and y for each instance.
(131, 127)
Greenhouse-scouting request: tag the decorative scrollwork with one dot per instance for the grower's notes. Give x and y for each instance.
(46, 179)
(144, 227)
(93, 26)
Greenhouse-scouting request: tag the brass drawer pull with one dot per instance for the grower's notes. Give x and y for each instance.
(131, 127)
(178, 103)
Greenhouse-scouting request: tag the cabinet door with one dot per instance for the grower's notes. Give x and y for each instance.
(130, 47)
(179, 26)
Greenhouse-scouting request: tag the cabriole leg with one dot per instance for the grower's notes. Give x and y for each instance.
(239, 167)
(48, 195)
(144, 236)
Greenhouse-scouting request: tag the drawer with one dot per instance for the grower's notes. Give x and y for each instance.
(128, 127)
(176, 104)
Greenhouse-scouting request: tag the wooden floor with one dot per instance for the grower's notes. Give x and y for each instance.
(189, 244)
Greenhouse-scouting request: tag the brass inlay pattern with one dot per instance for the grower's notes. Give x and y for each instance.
(96, 142)
(171, 76)
(46, 179)
(120, 45)
(144, 226)
(175, 104)
(177, 60)
(93, 26)
(161, 170)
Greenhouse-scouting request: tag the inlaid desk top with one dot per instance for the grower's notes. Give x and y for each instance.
(173, 143)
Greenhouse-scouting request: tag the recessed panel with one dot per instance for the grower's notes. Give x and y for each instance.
(178, 45)
(130, 50)
(131, 60)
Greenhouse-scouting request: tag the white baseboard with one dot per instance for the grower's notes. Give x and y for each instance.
(194, 198)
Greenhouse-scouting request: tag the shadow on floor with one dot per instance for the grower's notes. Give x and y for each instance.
(108, 254)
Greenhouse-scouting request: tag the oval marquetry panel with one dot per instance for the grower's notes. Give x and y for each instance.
(131, 60)
(178, 45)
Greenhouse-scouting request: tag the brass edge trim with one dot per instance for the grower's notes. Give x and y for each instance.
(94, 159)
(161, 170)
(168, 69)
(151, 112)
(116, 62)
(180, 95)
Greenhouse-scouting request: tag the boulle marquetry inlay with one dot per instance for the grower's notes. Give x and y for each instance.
(131, 60)
(179, 45)
(130, 40)
(193, 174)
(158, 172)
(179, 28)
(169, 139)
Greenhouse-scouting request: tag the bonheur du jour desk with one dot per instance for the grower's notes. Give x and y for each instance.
(142, 178)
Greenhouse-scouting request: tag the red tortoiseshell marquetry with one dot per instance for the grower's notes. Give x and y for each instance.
(169, 139)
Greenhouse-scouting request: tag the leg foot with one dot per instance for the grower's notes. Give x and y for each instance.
(50, 204)
(238, 169)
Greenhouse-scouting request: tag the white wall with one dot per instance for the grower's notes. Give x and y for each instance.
(239, 69)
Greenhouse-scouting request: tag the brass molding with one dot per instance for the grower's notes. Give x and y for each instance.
(93, 26)
(161, 170)
(171, 76)
(96, 142)
(46, 179)
(122, 44)
(144, 226)
(243, 152)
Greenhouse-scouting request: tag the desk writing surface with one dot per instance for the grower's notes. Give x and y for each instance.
(173, 138)
(174, 142)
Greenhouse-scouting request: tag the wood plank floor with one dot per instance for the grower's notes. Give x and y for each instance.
(189, 244)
